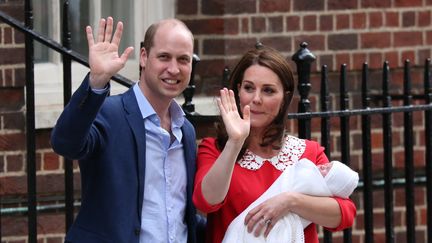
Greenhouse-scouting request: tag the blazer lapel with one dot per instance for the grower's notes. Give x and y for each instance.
(136, 122)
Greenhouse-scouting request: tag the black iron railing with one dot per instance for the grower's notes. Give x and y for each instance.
(303, 59)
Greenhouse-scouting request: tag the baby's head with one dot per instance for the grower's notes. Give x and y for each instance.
(325, 168)
(340, 178)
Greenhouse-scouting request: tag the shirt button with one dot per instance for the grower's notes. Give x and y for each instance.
(137, 231)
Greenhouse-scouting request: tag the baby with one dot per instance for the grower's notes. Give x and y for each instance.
(331, 179)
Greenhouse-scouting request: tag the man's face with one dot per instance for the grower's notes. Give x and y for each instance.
(168, 65)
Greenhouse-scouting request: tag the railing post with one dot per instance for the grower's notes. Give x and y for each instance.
(225, 78)
(388, 161)
(67, 91)
(303, 59)
(367, 159)
(30, 126)
(189, 92)
(325, 128)
(428, 146)
(409, 157)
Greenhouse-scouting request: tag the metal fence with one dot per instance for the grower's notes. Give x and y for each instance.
(303, 59)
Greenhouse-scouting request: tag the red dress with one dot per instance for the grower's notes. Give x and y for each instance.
(251, 177)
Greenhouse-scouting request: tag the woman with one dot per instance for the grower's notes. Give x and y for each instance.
(251, 151)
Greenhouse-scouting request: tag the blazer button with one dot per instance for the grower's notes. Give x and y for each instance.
(137, 231)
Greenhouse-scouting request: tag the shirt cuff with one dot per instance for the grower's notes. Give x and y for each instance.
(103, 90)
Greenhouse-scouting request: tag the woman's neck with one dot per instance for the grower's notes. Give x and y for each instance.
(266, 152)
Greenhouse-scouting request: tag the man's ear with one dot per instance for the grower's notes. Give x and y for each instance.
(143, 57)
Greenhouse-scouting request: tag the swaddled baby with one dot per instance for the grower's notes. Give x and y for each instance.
(331, 179)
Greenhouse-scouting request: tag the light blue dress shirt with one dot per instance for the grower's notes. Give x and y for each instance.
(164, 205)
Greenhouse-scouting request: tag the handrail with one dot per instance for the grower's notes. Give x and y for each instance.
(57, 46)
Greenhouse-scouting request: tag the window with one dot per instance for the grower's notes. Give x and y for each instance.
(136, 15)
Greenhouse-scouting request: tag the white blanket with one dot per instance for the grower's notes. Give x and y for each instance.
(304, 177)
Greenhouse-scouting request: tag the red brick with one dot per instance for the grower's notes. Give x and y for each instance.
(375, 40)
(280, 43)
(187, 7)
(358, 60)
(210, 69)
(311, 5)
(220, 7)
(423, 54)
(375, 4)
(13, 185)
(292, 23)
(12, 142)
(258, 25)
(245, 25)
(275, 24)
(15, 163)
(359, 20)
(343, 58)
(315, 42)
(408, 19)
(2, 163)
(14, 120)
(326, 60)
(271, 6)
(214, 26)
(379, 236)
(408, 38)
(7, 35)
(8, 75)
(51, 162)
(15, 10)
(392, 19)
(376, 20)
(19, 80)
(15, 55)
(342, 5)
(326, 22)
(43, 139)
(342, 42)
(19, 37)
(429, 37)
(342, 21)
(424, 18)
(55, 240)
(310, 23)
(408, 55)
(392, 57)
(408, 3)
(11, 99)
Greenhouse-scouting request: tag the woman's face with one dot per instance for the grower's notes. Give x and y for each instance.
(262, 90)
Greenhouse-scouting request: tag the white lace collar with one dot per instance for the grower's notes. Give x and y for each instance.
(291, 151)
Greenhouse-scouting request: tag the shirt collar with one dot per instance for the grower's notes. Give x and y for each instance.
(147, 111)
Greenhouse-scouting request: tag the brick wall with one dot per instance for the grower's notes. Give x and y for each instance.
(13, 180)
(350, 32)
(338, 32)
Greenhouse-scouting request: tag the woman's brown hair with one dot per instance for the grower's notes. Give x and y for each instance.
(272, 59)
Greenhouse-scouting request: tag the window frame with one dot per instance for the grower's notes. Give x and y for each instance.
(49, 75)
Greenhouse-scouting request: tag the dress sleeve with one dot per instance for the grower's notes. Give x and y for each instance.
(348, 213)
(207, 155)
(316, 153)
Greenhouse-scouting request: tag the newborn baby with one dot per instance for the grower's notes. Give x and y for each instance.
(331, 179)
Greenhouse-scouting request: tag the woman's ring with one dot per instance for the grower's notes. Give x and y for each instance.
(268, 222)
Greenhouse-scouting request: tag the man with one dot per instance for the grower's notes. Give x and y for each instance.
(136, 151)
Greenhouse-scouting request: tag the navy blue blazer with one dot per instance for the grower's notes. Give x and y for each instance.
(107, 136)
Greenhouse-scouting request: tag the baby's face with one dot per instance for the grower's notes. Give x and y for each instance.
(325, 168)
